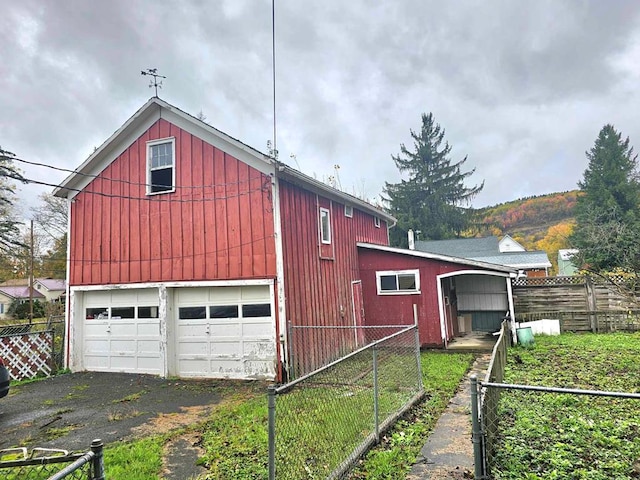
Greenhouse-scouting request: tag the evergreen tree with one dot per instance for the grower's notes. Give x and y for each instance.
(607, 231)
(434, 199)
(9, 232)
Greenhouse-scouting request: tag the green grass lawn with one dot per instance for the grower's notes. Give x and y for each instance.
(235, 438)
(560, 436)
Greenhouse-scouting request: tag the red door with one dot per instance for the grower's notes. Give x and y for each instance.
(358, 311)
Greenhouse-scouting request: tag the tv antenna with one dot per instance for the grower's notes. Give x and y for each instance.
(153, 83)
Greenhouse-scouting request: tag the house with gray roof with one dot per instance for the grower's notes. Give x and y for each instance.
(505, 251)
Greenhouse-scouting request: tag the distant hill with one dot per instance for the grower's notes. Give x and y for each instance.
(539, 223)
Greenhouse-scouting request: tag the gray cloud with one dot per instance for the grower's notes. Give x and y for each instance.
(522, 88)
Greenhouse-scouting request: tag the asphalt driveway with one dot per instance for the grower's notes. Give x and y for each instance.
(69, 411)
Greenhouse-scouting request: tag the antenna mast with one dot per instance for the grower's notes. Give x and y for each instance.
(153, 83)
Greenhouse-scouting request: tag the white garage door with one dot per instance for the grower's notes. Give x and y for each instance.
(225, 332)
(122, 331)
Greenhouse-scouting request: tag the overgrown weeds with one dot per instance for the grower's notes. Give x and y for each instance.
(550, 435)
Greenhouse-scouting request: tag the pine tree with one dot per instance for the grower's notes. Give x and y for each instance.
(607, 231)
(434, 198)
(9, 231)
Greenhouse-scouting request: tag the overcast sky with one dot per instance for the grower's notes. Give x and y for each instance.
(522, 88)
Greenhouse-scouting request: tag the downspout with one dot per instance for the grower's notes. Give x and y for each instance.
(512, 312)
(67, 307)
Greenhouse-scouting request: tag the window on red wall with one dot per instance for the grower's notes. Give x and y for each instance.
(161, 172)
(325, 226)
(398, 282)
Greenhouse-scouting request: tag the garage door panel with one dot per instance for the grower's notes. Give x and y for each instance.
(232, 341)
(96, 346)
(118, 343)
(150, 329)
(258, 368)
(258, 349)
(226, 349)
(226, 330)
(254, 329)
(148, 347)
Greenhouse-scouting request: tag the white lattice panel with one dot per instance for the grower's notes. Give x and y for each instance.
(27, 355)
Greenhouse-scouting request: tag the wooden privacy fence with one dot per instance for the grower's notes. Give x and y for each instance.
(580, 303)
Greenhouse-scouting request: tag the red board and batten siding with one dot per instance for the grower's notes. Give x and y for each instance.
(217, 225)
(318, 278)
(398, 309)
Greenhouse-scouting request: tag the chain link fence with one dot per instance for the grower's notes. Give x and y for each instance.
(321, 423)
(525, 431)
(52, 464)
(562, 433)
(312, 347)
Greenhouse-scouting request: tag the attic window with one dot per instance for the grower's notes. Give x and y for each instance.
(376, 222)
(161, 172)
(348, 211)
(398, 282)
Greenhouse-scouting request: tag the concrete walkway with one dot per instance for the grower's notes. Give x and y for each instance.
(448, 454)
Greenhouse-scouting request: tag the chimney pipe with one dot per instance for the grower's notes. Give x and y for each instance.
(412, 243)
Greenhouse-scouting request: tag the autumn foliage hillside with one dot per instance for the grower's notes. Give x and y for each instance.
(539, 223)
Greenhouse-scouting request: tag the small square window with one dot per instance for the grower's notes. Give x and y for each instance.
(161, 166)
(325, 226)
(147, 312)
(348, 211)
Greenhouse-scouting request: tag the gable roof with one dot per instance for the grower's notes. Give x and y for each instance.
(486, 249)
(156, 108)
(461, 247)
(19, 291)
(439, 257)
(51, 284)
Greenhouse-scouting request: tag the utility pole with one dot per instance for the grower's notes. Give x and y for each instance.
(31, 277)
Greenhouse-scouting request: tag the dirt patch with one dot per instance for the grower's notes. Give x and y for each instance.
(166, 422)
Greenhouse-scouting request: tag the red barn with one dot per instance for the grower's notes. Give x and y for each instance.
(192, 254)
(435, 291)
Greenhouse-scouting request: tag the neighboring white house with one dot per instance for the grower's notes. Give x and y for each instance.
(44, 289)
(566, 268)
(505, 251)
(9, 293)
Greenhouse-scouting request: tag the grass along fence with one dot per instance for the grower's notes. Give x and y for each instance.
(321, 423)
(535, 431)
(596, 321)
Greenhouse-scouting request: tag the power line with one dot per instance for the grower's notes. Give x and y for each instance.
(129, 182)
(162, 198)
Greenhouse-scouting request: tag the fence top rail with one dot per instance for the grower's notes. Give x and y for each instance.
(285, 388)
(574, 391)
(349, 327)
(494, 353)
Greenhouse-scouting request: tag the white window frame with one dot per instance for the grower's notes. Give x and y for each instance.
(348, 211)
(376, 222)
(152, 143)
(325, 235)
(396, 273)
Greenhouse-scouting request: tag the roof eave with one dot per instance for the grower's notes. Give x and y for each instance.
(443, 258)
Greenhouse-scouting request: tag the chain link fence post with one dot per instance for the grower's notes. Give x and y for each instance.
(98, 460)
(476, 433)
(418, 358)
(272, 431)
(375, 394)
